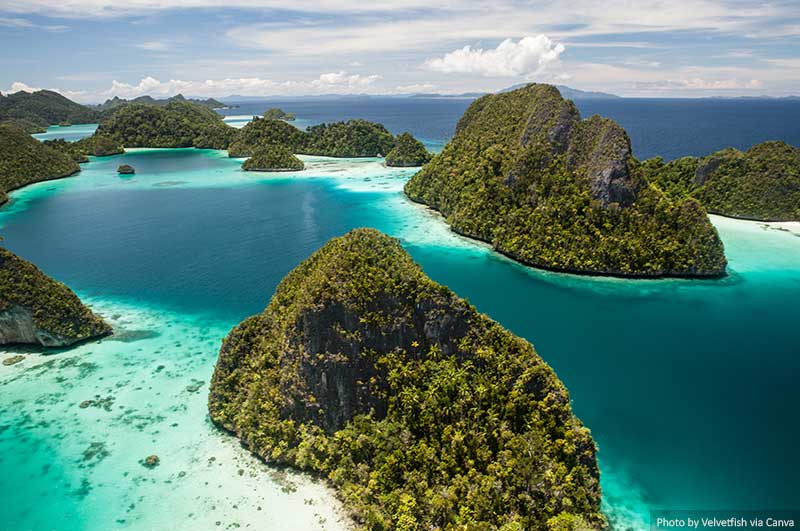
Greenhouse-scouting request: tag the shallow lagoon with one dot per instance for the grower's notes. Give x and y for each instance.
(689, 386)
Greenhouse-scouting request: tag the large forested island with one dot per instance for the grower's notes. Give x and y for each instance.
(272, 157)
(36, 309)
(24, 160)
(424, 413)
(527, 174)
(34, 111)
(762, 183)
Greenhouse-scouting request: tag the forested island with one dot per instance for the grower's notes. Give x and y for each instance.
(272, 157)
(422, 412)
(24, 160)
(115, 102)
(35, 111)
(35, 309)
(275, 113)
(525, 173)
(762, 183)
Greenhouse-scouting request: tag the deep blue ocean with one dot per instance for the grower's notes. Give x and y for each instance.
(689, 387)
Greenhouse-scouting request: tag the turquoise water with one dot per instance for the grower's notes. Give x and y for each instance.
(688, 386)
(69, 133)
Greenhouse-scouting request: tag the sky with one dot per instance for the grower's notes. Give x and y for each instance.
(91, 50)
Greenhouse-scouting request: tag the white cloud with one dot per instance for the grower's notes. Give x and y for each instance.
(153, 46)
(701, 84)
(328, 83)
(527, 57)
(415, 88)
(27, 24)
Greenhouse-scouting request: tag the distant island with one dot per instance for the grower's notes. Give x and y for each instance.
(279, 114)
(566, 92)
(762, 183)
(35, 309)
(525, 173)
(115, 102)
(422, 412)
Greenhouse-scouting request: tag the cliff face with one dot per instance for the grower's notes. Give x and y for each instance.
(24, 160)
(761, 183)
(420, 409)
(36, 309)
(526, 174)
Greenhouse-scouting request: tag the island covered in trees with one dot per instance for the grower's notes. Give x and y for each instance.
(762, 183)
(423, 413)
(274, 113)
(35, 309)
(525, 173)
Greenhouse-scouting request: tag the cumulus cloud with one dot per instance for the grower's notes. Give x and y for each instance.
(328, 83)
(527, 57)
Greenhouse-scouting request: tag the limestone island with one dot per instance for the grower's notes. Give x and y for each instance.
(762, 183)
(279, 114)
(24, 160)
(525, 173)
(422, 412)
(126, 169)
(270, 157)
(407, 152)
(35, 309)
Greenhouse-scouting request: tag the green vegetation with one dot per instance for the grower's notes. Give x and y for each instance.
(37, 309)
(28, 126)
(761, 183)
(422, 412)
(278, 114)
(174, 125)
(548, 189)
(24, 160)
(43, 108)
(126, 169)
(116, 102)
(97, 145)
(354, 138)
(407, 151)
(262, 131)
(271, 157)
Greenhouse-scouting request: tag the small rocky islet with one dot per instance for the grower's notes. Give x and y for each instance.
(37, 310)
(422, 412)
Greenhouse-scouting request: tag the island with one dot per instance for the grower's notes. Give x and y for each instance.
(97, 145)
(350, 139)
(35, 309)
(407, 152)
(275, 113)
(24, 160)
(422, 412)
(116, 102)
(271, 157)
(43, 108)
(526, 174)
(126, 169)
(762, 183)
(176, 124)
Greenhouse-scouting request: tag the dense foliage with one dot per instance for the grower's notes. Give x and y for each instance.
(24, 160)
(26, 125)
(174, 125)
(43, 108)
(424, 413)
(354, 138)
(526, 174)
(275, 113)
(262, 131)
(407, 151)
(271, 157)
(117, 102)
(55, 309)
(97, 145)
(761, 183)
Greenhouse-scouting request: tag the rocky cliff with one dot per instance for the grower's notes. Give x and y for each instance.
(36, 309)
(527, 174)
(424, 413)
